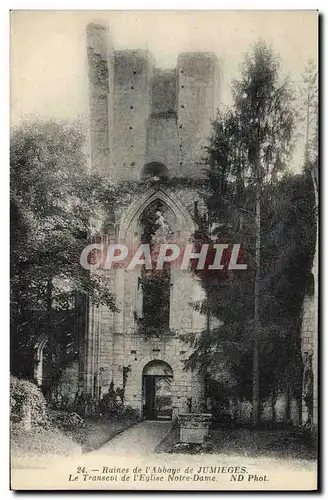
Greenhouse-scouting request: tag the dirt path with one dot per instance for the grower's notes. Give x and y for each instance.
(141, 439)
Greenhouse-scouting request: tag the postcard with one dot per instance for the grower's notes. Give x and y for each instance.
(164, 250)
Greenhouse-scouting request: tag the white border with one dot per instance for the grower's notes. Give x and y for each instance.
(4, 191)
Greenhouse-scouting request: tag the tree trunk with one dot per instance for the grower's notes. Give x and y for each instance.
(288, 403)
(273, 407)
(51, 340)
(256, 373)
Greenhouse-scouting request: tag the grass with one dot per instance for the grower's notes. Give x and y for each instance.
(284, 443)
(41, 441)
(98, 432)
(280, 443)
(54, 441)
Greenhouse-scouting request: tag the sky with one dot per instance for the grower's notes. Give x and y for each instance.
(48, 51)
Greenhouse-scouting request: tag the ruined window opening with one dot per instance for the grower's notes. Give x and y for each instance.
(154, 287)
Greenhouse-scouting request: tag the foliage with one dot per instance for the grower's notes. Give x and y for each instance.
(308, 114)
(288, 240)
(259, 125)
(128, 413)
(110, 401)
(263, 103)
(65, 420)
(56, 204)
(112, 405)
(25, 395)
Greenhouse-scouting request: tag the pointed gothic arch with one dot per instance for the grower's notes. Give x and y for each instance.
(130, 221)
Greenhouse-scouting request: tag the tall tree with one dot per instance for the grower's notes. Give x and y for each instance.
(264, 105)
(249, 150)
(53, 200)
(309, 112)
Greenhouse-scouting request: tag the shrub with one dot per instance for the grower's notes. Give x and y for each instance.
(85, 405)
(27, 399)
(66, 420)
(111, 406)
(127, 413)
(111, 401)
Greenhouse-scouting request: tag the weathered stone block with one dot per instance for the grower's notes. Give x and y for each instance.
(194, 427)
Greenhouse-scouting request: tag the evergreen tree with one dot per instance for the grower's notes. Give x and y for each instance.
(251, 201)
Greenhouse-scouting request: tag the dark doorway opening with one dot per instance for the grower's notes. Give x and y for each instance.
(157, 391)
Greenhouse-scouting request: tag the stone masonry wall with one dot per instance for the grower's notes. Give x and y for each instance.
(198, 85)
(100, 62)
(113, 341)
(133, 71)
(120, 344)
(139, 113)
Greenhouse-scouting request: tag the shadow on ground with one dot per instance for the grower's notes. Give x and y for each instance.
(279, 443)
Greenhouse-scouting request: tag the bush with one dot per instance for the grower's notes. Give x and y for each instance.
(128, 413)
(66, 420)
(27, 399)
(111, 401)
(85, 405)
(111, 406)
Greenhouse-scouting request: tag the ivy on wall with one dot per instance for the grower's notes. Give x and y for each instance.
(155, 286)
(123, 194)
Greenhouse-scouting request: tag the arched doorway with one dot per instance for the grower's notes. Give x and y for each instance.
(157, 380)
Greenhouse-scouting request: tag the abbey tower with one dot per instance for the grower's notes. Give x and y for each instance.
(148, 129)
(141, 114)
